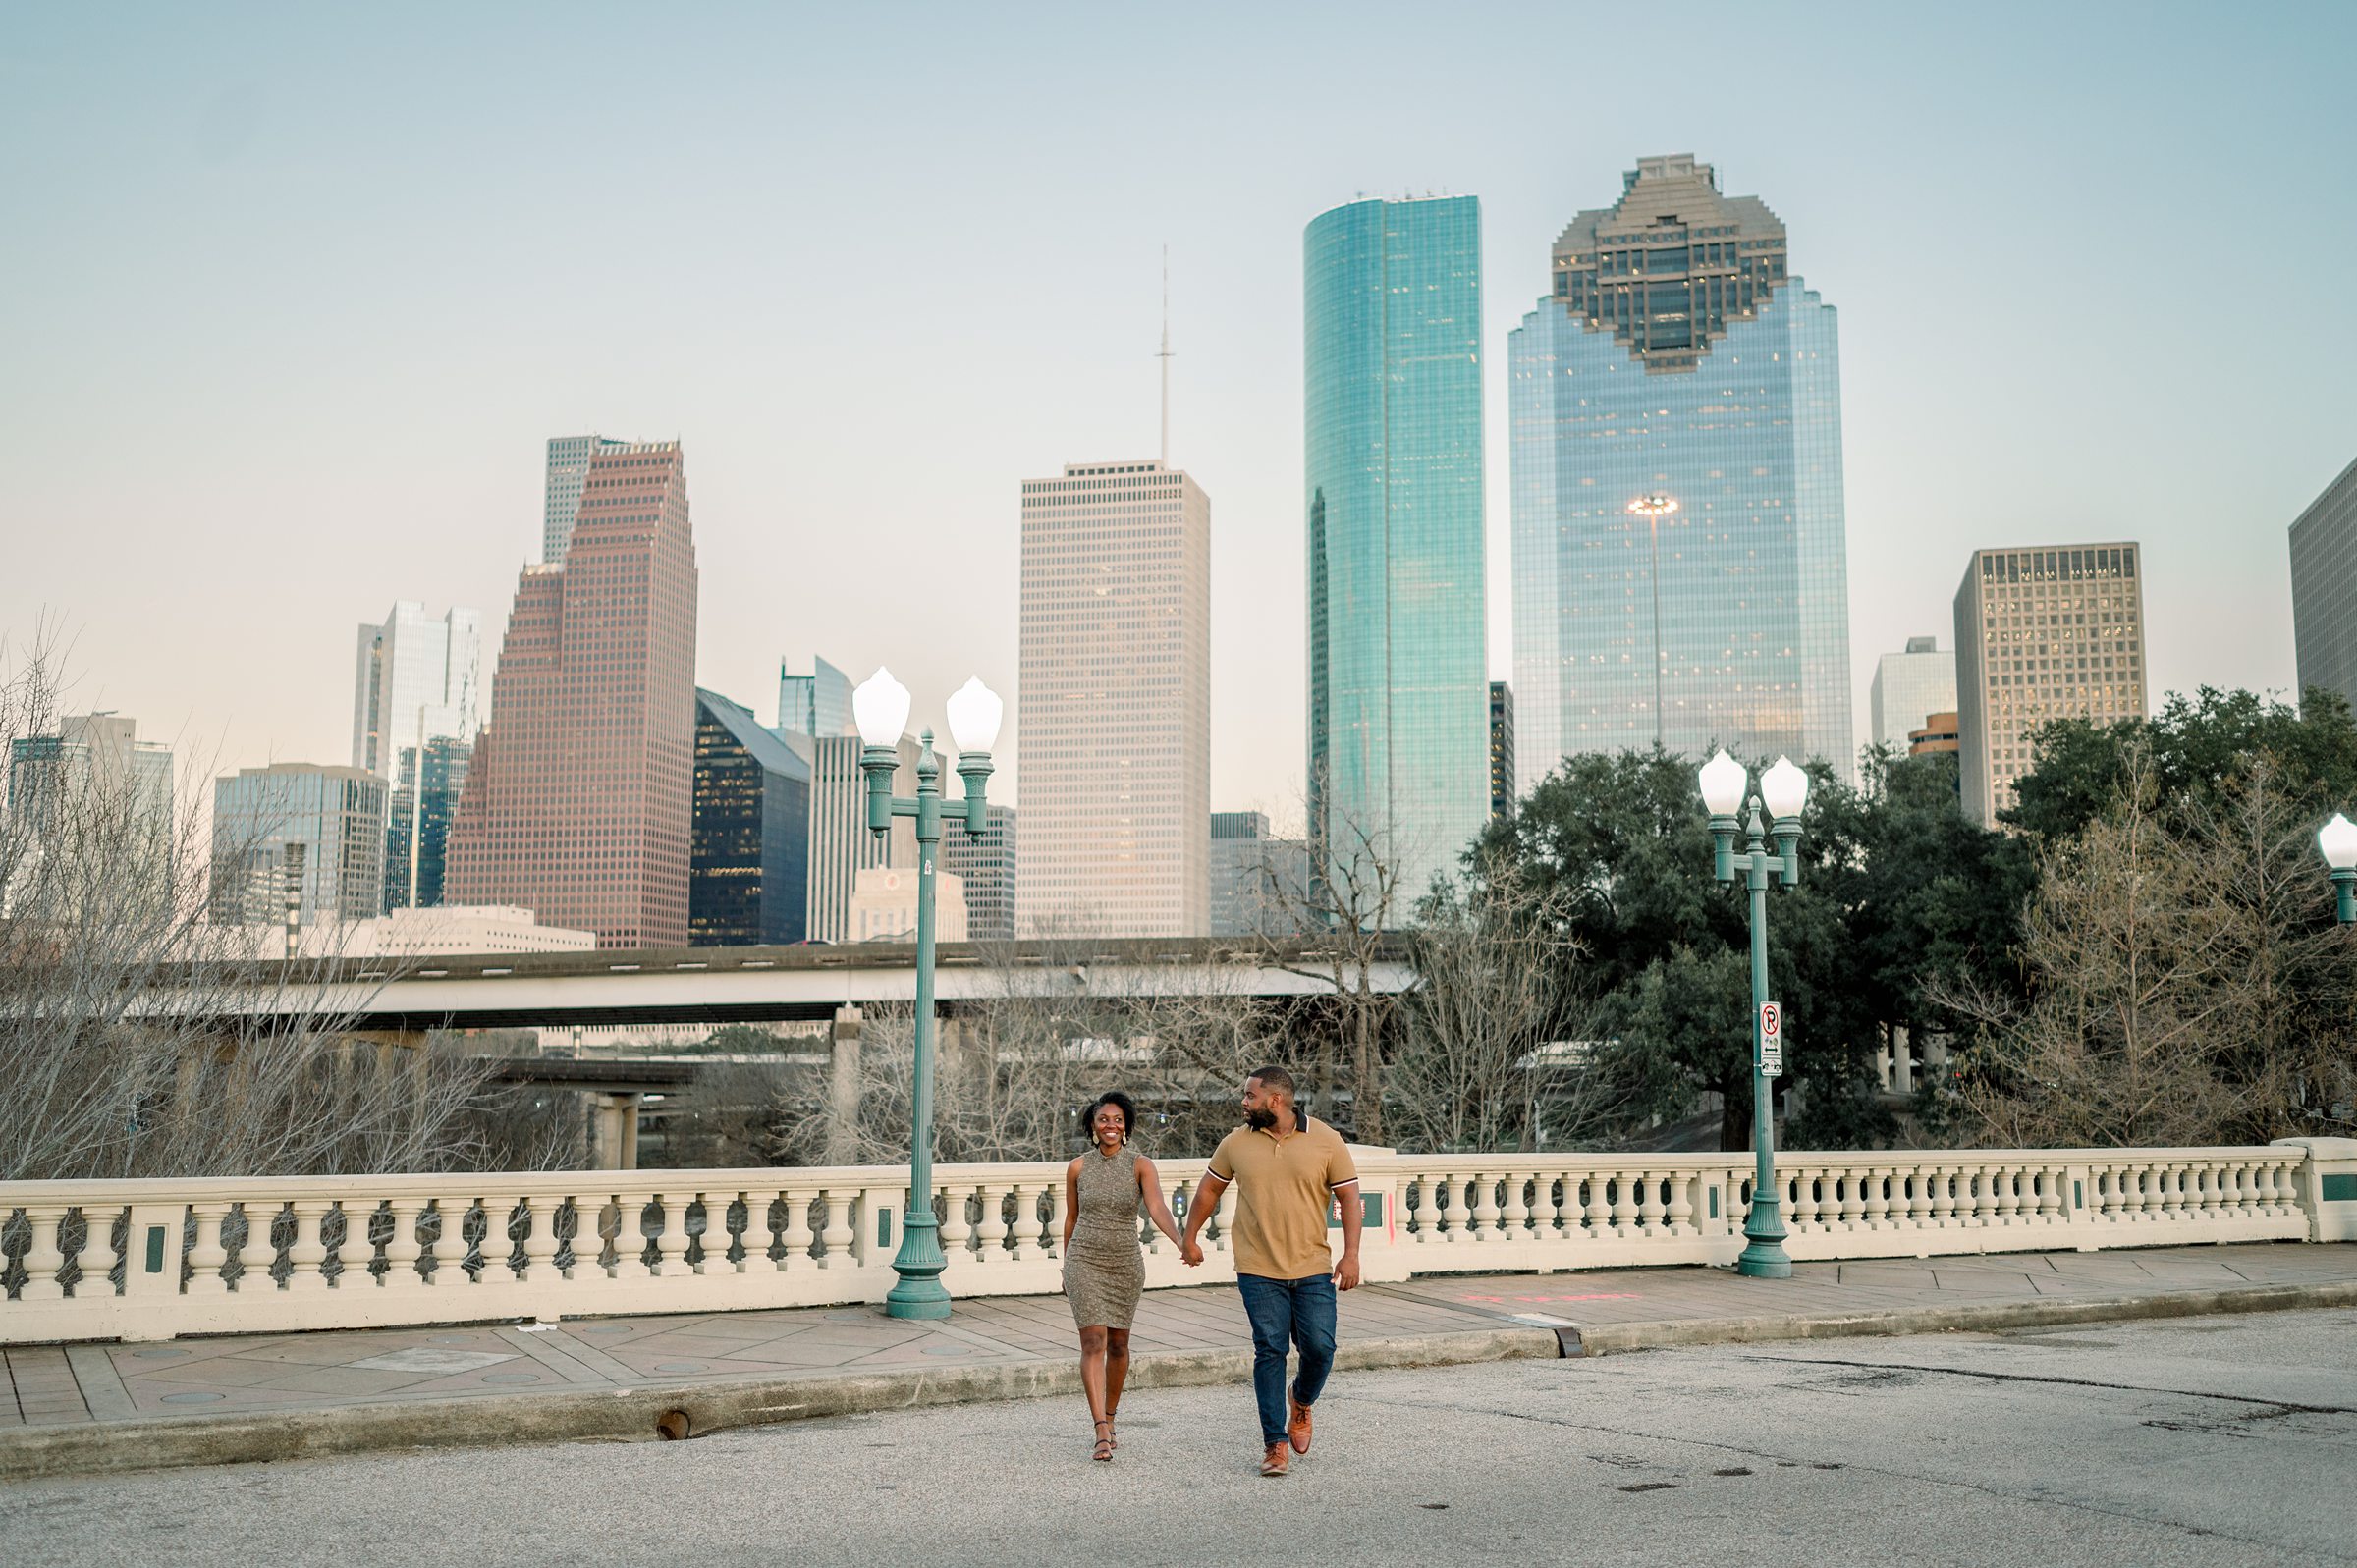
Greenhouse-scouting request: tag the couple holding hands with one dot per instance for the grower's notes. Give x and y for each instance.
(1285, 1168)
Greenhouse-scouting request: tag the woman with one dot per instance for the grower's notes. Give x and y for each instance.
(1104, 1267)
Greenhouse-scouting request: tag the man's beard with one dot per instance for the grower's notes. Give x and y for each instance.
(1260, 1120)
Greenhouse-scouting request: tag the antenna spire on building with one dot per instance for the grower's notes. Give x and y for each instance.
(1165, 356)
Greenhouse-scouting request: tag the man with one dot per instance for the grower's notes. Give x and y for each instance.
(1287, 1168)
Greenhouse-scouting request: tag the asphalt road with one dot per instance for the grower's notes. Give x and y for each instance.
(2202, 1440)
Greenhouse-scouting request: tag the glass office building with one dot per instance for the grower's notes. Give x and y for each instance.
(748, 869)
(1398, 687)
(1679, 364)
(417, 827)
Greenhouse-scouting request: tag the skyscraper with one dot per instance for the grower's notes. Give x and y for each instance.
(1392, 400)
(986, 864)
(1679, 562)
(2044, 633)
(95, 762)
(418, 827)
(568, 470)
(1909, 688)
(816, 704)
(1259, 883)
(301, 834)
(1114, 717)
(2324, 588)
(1502, 751)
(578, 803)
(749, 879)
(840, 844)
(416, 678)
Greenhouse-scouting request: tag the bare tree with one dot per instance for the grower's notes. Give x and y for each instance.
(1475, 1065)
(139, 1039)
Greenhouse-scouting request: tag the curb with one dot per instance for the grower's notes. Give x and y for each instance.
(1609, 1338)
(642, 1414)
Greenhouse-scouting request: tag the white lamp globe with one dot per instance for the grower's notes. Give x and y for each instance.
(974, 714)
(881, 708)
(1784, 789)
(1722, 781)
(2337, 839)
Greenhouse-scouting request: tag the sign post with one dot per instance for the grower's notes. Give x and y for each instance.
(1772, 1040)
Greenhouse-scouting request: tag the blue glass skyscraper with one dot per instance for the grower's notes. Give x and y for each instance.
(1399, 688)
(1676, 361)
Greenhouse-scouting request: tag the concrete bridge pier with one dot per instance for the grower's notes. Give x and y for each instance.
(843, 1089)
(612, 1131)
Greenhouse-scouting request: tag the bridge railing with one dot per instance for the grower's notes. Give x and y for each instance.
(151, 1260)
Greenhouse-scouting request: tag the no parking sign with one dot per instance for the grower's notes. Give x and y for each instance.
(1772, 1038)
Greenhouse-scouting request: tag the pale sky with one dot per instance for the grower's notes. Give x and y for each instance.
(294, 298)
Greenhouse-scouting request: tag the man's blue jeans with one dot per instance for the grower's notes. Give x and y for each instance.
(1298, 1311)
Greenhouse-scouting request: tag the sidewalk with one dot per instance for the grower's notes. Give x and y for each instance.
(107, 1407)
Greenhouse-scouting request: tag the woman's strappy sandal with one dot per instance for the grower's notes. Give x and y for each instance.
(1104, 1453)
(1111, 1435)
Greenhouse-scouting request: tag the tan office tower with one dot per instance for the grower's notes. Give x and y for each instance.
(2054, 632)
(577, 805)
(1114, 714)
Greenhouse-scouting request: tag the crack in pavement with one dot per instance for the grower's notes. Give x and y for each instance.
(2067, 1383)
(1982, 1487)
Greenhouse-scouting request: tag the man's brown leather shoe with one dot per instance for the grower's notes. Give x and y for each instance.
(1276, 1460)
(1299, 1428)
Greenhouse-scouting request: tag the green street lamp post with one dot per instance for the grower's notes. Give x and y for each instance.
(881, 709)
(2337, 839)
(1784, 792)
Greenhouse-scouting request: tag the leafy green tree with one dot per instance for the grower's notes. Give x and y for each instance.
(1895, 888)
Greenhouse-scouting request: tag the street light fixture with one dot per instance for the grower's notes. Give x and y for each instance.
(2337, 839)
(880, 706)
(1783, 793)
(1653, 509)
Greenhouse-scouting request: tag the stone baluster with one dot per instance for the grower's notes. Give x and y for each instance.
(94, 1258)
(1513, 1217)
(258, 1252)
(956, 1229)
(2277, 1194)
(2053, 1197)
(1596, 1213)
(1679, 1214)
(540, 1241)
(402, 1247)
(761, 1232)
(1801, 1202)
(44, 1258)
(630, 1235)
(355, 1254)
(1416, 1211)
(1456, 1215)
(211, 1255)
(1225, 1218)
(1649, 1203)
(2236, 1189)
(1851, 1184)
(450, 1244)
(715, 1239)
(990, 1236)
(1485, 1209)
(839, 1234)
(671, 1236)
(1034, 1240)
(1624, 1204)
(1544, 1207)
(1881, 1183)
(798, 1236)
(306, 1257)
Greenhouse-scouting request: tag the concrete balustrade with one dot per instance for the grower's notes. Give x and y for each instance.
(155, 1260)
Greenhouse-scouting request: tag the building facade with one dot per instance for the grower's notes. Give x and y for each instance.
(749, 873)
(1940, 732)
(882, 905)
(2324, 588)
(1114, 717)
(425, 798)
(2044, 633)
(1909, 688)
(1259, 883)
(94, 760)
(841, 843)
(414, 679)
(579, 802)
(299, 843)
(1502, 751)
(816, 704)
(986, 864)
(1392, 495)
(569, 459)
(1680, 566)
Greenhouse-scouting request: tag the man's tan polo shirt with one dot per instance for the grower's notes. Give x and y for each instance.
(1281, 1186)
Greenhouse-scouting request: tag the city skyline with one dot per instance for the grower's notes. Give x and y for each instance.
(307, 294)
